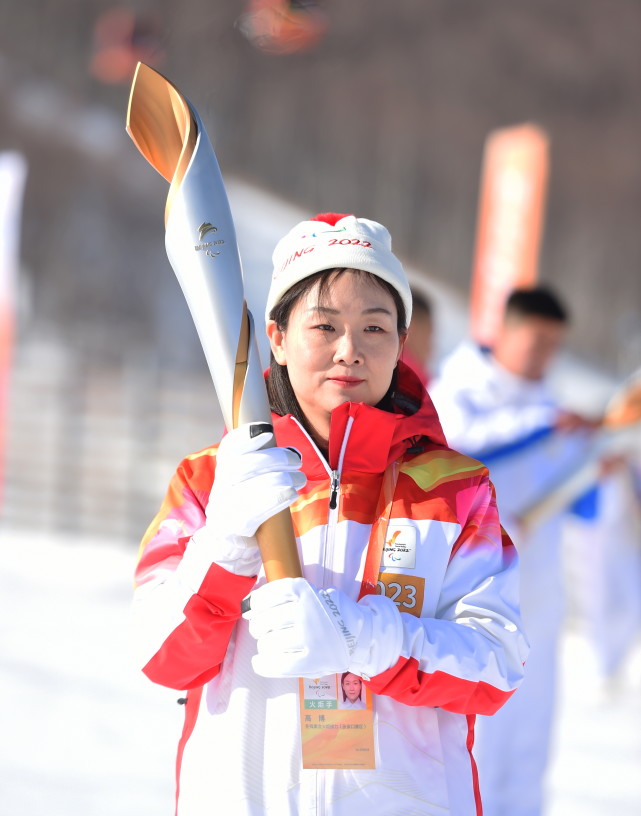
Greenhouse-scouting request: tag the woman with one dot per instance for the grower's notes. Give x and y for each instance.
(360, 450)
(352, 690)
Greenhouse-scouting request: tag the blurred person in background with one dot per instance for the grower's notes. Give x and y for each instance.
(496, 406)
(602, 543)
(437, 643)
(417, 351)
(602, 551)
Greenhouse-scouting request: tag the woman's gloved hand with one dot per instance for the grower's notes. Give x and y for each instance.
(251, 484)
(302, 631)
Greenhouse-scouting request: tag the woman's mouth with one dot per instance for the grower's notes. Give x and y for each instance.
(347, 381)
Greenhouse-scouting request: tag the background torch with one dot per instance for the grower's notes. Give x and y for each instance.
(201, 246)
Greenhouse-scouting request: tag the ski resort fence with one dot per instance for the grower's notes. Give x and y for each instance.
(91, 447)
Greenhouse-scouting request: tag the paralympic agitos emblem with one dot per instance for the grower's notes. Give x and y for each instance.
(206, 246)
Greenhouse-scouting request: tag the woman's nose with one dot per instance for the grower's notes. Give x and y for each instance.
(347, 350)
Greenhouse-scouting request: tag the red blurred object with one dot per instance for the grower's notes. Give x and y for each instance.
(283, 26)
(121, 39)
(511, 216)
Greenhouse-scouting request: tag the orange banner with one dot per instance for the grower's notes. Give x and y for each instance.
(510, 223)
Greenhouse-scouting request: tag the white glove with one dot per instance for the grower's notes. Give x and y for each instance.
(303, 631)
(251, 484)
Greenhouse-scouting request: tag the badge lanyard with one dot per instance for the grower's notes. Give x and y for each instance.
(378, 532)
(337, 732)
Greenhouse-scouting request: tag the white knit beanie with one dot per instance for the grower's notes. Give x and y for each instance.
(331, 241)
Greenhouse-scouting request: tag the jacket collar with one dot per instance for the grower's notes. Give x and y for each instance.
(375, 438)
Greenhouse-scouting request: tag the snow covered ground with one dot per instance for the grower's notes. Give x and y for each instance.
(83, 734)
(596, 770)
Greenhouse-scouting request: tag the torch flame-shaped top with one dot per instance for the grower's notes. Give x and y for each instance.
(161, 124)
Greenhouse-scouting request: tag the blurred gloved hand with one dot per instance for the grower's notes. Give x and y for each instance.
(302, 631)
(251, 484)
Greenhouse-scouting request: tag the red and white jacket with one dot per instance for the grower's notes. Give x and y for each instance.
(463, 649)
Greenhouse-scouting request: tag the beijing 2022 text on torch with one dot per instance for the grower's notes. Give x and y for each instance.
(201, 246)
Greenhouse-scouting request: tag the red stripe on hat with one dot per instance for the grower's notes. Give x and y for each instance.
(330, 218)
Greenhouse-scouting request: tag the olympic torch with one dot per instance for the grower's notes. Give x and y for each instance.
(201, 246)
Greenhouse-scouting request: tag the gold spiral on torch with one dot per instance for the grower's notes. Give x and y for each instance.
(161, 126)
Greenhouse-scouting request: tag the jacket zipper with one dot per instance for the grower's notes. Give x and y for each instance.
(334, 475)
(328, 556)
(335, 484)
(334, 490)
(334, 497)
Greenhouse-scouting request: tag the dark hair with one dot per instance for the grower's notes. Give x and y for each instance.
(538, 301)
(343, 676)
(282, 399)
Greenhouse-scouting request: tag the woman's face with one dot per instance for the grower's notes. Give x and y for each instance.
(343, 349)
(352, 684)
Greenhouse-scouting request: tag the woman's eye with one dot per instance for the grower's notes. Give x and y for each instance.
(324, 327)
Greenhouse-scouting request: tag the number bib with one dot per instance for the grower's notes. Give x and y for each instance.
(406, 591)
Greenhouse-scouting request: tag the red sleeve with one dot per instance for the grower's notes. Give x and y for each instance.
(182, 631)
(192, 653)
